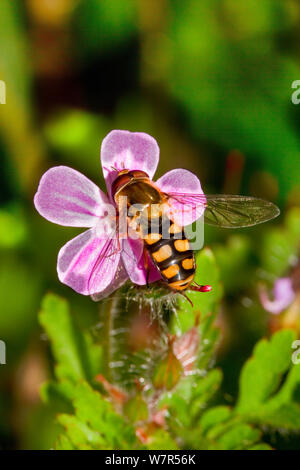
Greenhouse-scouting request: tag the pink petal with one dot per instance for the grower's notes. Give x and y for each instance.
(187, 203)
(128, 150)
(284, 295)
(134, 262)
(132, 252)
(67, 197)
(87, 263)
(119, 279)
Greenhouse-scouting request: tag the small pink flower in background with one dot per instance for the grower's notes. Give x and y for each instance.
(283, 296)
(94, 263)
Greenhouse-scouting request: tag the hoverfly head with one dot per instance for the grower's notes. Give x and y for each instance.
(126, 177)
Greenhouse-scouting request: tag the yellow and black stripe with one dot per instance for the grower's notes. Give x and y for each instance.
(172, 256)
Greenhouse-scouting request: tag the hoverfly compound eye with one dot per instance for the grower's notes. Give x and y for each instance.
(126, 177)
(121, 180)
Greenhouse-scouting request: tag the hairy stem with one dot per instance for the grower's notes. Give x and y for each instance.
(108, 313)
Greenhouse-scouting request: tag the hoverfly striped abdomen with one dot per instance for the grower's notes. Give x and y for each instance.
(172, 255)
(164, 241)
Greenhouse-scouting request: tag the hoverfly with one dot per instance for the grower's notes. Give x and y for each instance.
(173, 256)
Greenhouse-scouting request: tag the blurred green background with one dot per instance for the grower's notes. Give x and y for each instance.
(211, 81)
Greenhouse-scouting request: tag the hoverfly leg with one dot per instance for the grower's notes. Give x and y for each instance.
(146, 267)
(186, 297)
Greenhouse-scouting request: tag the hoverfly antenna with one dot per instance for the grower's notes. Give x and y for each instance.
(114, 168)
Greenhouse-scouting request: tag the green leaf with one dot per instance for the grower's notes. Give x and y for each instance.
(79, 433)
(206, 303)
(64, 443)
(59, 393)
(240, 436)
(204, 309)
(214, 416)
(277, 251)
(201, 427)
(280, 246)
(191, 397)
(285, 416)
(161, 440)
(260, 446)
(262, 372)
(206, 386)
(264, 397)
(75, 354)
(96, 412)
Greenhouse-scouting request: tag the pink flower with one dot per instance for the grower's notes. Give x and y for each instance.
(283, 296)
(96, 262)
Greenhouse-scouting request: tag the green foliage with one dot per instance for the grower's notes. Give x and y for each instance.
(268, 254)
(77, 357)
(73, 133)
(96, 424)
(206, 426)
(102, 26)
(234, 261)
(20, 288)
(280, 246)
(14, 61)
(75, 354)
(264, 397)
(235, 103)
(190, 406)
(22, 144)
(13, 228)
(205, 306)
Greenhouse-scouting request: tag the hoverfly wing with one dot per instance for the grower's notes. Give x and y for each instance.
(185, 208)
(228, 211)
(234, 211)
